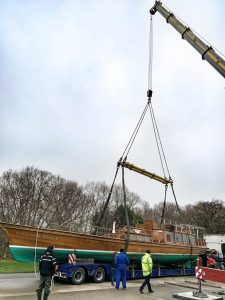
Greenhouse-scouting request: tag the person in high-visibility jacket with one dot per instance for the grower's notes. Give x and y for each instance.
(146, 263)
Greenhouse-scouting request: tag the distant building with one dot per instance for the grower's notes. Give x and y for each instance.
(214, 241)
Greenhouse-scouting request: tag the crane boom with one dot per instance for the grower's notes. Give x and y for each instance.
(207, 52)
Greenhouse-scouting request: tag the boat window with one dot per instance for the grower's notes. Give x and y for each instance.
(147, 238)
(186, 239)
(140, 238)
(178, 238)
(192, 240)
(170, 237)
(133, 237)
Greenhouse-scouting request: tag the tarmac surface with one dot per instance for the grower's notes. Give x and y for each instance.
(22, 287)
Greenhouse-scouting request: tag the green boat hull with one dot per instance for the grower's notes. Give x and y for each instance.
(31, 254)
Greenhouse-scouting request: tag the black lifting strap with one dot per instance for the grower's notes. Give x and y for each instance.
(126, 213)
(164, 203)
(164, 206)
(109, 196)
(175, 199)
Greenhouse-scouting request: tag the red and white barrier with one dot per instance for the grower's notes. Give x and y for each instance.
(198, 272)
(210, 274)
(71, 258)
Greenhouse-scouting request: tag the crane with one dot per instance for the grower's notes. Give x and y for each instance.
(207, 52)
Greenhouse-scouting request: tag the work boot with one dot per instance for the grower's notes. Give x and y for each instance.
(45, 296)
(39, 294)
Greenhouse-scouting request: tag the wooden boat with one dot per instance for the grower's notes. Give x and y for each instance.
(168, 244)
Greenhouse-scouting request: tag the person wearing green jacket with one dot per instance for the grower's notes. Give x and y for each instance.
(146, 263)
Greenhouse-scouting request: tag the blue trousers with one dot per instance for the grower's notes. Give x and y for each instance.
(121, 275)
(113, 275)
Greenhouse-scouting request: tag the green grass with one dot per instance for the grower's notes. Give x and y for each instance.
(10, 266)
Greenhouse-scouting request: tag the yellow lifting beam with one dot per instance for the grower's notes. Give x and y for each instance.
(154, 176)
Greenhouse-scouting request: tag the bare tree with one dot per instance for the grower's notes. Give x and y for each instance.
(38, 198)
(209, 215)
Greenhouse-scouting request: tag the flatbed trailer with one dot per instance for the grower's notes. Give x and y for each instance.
(78, 273)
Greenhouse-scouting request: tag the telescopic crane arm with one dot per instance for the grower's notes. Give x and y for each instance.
(207, 52)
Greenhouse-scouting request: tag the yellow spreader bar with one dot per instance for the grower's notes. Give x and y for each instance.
(154, 176)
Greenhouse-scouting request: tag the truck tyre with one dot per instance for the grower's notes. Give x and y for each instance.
(78, 276)
(99, 275)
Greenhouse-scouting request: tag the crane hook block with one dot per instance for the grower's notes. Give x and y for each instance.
(149, 94)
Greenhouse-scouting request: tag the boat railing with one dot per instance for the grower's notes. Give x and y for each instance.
(96, 230)
(121, 233)
(183, 227)
(158, 235)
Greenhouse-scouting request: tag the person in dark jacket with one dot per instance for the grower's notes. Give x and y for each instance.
(204, 258)
(47, 268)
(121, 266)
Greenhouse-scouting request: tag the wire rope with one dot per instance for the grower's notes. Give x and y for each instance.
(175, 198)
(159, 138)
(135, 132)
(156, 137)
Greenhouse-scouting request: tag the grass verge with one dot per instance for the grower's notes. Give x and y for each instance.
(10, 266)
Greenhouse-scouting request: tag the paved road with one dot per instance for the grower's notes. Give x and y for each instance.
(22, 287)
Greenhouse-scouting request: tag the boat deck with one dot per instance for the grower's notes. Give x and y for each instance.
(22, 286)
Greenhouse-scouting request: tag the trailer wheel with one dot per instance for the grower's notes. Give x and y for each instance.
(99, 275)
(78, 276)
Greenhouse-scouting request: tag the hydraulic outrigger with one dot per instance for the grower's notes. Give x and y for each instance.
(207, 52)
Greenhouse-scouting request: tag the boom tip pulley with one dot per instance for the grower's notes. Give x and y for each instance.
(153, 10)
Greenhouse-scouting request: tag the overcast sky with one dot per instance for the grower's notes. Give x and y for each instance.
(73, 85)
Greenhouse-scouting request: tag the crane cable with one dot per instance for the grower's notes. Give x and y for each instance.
(134, 134)
(127, 150)
(154, 123)
(158, 140)
(162, 159)
(131, 141)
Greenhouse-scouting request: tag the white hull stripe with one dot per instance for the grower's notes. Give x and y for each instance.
(74, 250)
